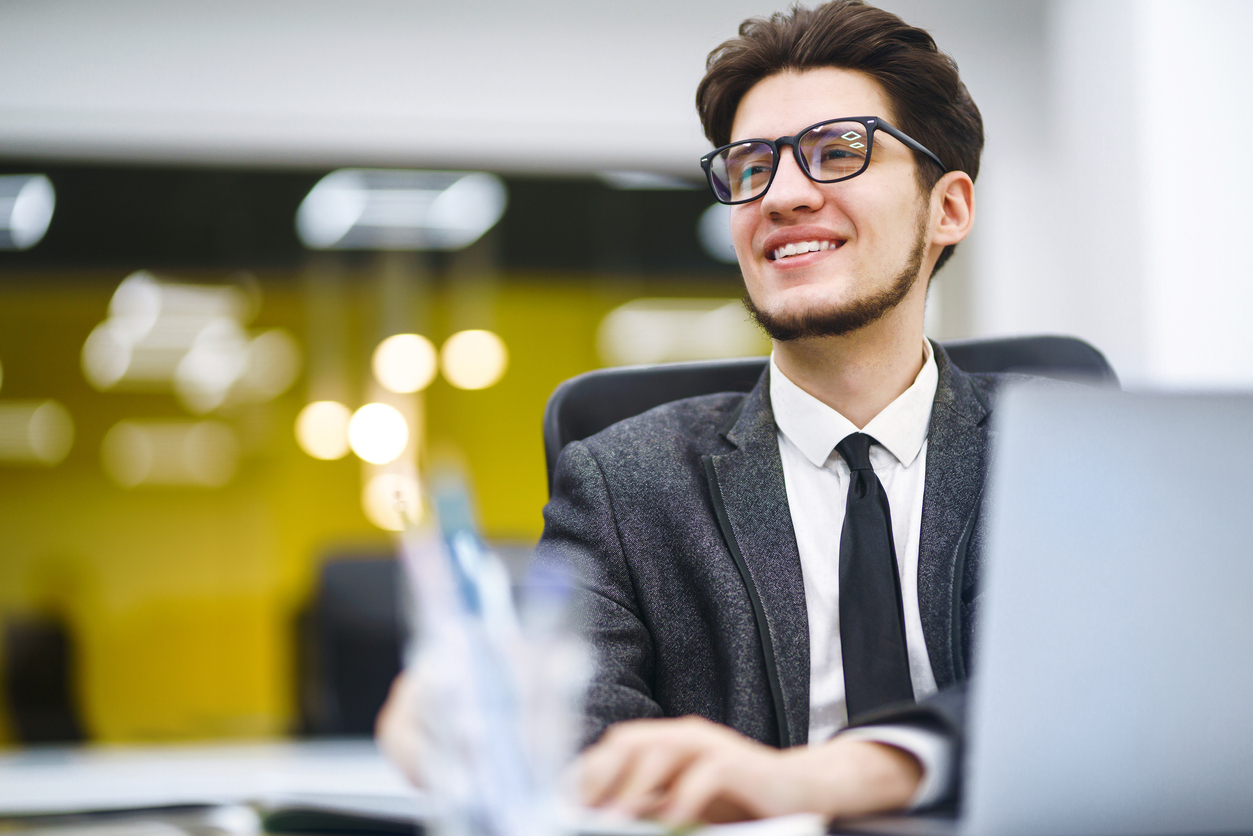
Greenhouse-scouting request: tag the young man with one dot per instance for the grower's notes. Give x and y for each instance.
(758, 568)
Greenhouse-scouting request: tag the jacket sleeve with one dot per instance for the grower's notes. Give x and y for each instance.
(581, 539)
(942, 714)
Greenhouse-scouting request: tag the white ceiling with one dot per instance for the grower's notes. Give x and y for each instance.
(554, 85)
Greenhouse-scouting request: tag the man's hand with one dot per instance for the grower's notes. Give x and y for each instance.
(396, 729)
(690, 770)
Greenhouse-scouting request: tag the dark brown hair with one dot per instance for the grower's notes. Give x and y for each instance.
(929, 101)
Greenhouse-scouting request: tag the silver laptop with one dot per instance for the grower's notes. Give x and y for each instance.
(1113, 679)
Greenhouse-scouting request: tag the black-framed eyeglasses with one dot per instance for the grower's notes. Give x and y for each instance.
(827, 152)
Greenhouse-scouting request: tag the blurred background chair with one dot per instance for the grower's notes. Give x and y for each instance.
(584, 405)
(37, 675)
(351, 638)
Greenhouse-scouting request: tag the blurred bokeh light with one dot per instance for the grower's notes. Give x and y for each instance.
(392, 501)
(322, 430)
(201, 454)
(35, 432)
(671, 330)
(474, 359)
(405, 363)
(191, 339)
(378, 433)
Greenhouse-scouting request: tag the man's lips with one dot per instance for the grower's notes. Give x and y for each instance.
(795, 248)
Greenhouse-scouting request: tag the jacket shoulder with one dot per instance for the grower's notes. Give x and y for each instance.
(697, 422)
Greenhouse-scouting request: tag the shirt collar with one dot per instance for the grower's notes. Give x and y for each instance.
(816, 428)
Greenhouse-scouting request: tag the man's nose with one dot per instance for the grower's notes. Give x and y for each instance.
(791, 190)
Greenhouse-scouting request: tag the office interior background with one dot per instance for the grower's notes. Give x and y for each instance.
(168, 497)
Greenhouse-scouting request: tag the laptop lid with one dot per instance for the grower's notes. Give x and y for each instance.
(1113, 682)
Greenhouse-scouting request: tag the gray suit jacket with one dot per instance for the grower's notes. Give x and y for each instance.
(676, 526)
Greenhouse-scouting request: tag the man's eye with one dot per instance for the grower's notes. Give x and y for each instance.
(835, 153)
(751, 170)
(836, 160)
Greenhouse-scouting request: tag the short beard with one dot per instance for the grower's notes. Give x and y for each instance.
(848, 318)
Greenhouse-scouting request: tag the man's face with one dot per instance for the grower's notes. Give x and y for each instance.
(871, 229)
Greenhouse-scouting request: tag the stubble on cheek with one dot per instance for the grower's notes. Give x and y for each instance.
(839, 319)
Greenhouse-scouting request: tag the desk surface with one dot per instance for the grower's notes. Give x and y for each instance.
(218, 789)
(48, 780)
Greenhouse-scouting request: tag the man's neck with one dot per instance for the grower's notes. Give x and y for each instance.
(859, 374)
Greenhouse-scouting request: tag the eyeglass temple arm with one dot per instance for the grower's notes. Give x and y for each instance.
(912, 143)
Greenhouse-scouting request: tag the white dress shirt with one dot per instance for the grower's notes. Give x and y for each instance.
(817, 478)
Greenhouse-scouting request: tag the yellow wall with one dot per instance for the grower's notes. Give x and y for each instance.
(181, 599)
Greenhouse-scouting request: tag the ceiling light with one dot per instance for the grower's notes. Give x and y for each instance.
(714, 231)
(384, 209)
(646, 181)
(26, 204)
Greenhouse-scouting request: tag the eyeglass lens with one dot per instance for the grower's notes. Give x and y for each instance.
(831, 151)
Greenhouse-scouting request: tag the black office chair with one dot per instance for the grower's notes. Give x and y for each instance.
(586, 404)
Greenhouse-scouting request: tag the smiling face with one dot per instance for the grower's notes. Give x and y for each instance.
(829, 259)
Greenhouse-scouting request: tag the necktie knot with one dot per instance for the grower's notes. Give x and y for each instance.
(855, 450)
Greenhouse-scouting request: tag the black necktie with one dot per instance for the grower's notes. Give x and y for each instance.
(872, 624)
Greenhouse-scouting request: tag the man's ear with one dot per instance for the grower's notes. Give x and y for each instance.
(952, 208)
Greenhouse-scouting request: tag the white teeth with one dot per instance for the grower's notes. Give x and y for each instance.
(799, 247)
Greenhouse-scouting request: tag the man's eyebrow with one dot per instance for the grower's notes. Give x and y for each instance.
(746, 148)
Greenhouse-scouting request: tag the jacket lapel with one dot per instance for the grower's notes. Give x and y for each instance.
(748, 489)
(748, 485)
(957, 445)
